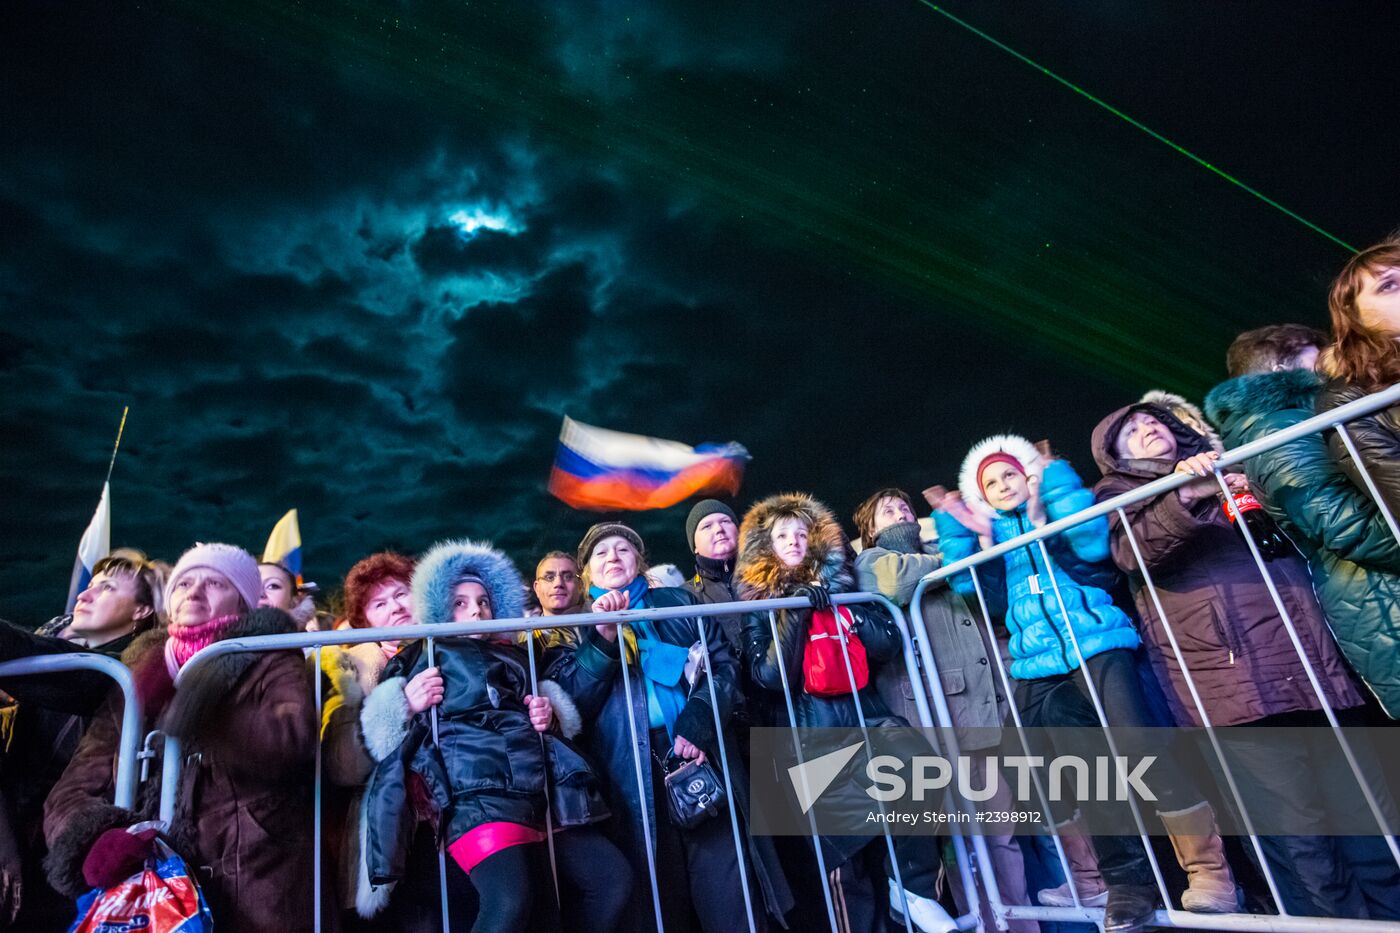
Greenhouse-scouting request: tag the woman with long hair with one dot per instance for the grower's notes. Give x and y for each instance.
(1364, 357)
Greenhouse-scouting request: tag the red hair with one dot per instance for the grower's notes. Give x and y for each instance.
(366, 575)
(1358, 354)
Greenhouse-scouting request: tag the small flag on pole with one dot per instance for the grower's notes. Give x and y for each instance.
(284, 545)
(595, 468)
(95, 545)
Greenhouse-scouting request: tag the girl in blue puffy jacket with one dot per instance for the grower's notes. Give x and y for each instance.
(1058, 612)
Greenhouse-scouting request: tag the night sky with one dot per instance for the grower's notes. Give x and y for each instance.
(360, 258)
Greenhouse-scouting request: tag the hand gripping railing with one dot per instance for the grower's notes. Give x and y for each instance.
(699, 613)
(127, 745)
(1283, 922)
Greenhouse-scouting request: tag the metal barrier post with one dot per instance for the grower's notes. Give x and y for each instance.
(442, 853)
(979, 844)
(1103, 718)
(912, 660)
(548, 806)
(998, 906)
(1201, 710)
(128, 744)
(170, 766)
(728, 781)
(797, 750)
(1293, 636)
(316, 804)
(865, 734)
(643, 786)
(1368, 480)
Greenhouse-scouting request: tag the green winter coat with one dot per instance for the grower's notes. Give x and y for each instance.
(1354, 560)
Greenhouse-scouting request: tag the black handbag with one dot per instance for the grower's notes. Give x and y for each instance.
(694, 793)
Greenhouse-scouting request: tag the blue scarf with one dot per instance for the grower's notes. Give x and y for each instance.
(663, 664)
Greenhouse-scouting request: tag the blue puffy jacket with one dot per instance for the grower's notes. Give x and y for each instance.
(1041, 645)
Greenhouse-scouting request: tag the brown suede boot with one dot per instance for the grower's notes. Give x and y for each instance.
(1210, 884)
(1083, 867)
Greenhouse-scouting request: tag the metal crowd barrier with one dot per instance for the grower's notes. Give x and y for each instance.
(127, 752)
(433, 633)
(1169, 917)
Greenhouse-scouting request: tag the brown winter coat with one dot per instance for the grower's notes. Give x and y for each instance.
(243, 818)
(1235, 645)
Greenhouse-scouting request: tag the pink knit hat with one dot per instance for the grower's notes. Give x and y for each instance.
(231, 561)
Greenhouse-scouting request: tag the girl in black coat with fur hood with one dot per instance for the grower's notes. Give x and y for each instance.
(496, 772)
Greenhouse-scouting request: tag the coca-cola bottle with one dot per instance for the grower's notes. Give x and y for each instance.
(1266, 534)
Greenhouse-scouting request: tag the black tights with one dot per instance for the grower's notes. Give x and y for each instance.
(504, 890)
(594, 883)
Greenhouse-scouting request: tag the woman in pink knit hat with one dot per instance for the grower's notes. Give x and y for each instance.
(247, 728)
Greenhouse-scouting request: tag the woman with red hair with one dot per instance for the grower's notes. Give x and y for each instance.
(378, 596)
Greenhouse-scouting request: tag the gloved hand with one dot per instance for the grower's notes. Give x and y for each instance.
(818, 594)
(117, 855)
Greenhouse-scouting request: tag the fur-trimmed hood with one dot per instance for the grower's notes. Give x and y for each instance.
(1189, 442)
(1188, 413)
(1262, 394)
(447, 562)
(759, 574)
(1012, 444)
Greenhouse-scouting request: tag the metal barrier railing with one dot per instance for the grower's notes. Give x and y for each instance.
(700, 613)
(1170, 917)
(124, 794)
(932, 705)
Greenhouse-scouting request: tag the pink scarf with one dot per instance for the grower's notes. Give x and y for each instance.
(185, 640)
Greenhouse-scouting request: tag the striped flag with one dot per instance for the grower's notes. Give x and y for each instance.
(284, 545)
(595, 468)
(95, 545)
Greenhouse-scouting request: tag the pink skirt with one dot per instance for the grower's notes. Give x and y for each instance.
(476, 845)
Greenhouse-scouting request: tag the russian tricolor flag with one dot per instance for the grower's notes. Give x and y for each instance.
(600, 469)
(284, 545)
(95, 545)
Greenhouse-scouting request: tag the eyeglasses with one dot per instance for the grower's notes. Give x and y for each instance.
(566, 576)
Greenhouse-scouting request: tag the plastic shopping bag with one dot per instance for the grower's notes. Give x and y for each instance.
(161, 898)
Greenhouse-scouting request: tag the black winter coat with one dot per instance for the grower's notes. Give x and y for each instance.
(488, 764)
(762, 657)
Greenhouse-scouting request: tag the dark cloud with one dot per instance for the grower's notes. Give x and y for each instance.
(362, 264)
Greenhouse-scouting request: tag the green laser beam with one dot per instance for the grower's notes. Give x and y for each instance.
(1137, 123)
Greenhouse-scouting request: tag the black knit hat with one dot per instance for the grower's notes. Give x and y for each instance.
(606, 530)
(702, 510)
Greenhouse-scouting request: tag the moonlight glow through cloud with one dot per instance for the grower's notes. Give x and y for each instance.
(468, 222)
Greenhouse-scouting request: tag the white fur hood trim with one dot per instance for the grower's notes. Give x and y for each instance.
(1013, 444)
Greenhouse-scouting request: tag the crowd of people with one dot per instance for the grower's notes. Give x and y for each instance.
(528, 773)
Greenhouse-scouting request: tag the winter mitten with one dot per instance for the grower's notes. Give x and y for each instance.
(117, 855)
